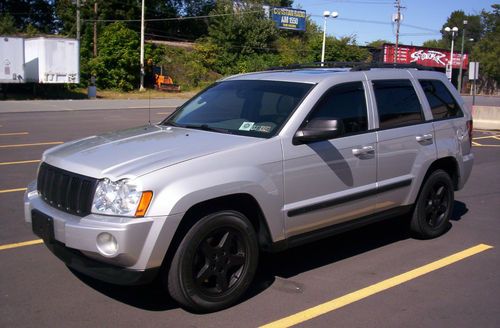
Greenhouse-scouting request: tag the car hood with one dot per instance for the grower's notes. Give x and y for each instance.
(137, 151)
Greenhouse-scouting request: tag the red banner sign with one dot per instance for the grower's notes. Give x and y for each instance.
(423, 56)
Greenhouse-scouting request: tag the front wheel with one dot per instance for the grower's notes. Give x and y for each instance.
(215, 262)
(434, 206)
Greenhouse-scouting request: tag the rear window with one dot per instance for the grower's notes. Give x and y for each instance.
(397, 103)
(441, 101)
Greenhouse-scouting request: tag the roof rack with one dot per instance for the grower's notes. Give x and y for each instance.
(354, 66)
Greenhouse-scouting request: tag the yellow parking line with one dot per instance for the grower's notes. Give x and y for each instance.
(22, 244)
(20, 162)
(485, 137)
(479, 145)
(32, 144)
(374, 289)
(163, 113)
(4, 191)
(13, 134)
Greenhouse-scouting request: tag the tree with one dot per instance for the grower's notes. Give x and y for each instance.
(487, 50)
(377, 43)
(473, 29)
(117, 63)
(7, 24)
(237, 35)
(440, 44)
(39, 14)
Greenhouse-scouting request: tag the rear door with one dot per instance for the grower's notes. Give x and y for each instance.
(405, 140)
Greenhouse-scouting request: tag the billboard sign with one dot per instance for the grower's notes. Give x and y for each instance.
(423, 56)
(289, 18)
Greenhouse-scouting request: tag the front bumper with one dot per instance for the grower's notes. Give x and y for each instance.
(141, 242)
(101, 271)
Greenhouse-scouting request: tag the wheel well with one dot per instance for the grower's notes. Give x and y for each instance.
(447, 164)
(243, 203)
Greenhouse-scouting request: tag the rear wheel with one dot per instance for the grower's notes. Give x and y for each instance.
(434, 206)
(215, 262)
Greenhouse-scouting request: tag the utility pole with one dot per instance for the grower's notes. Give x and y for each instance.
(398, 23)
(141, 88)
(95, 28)
(78, 20)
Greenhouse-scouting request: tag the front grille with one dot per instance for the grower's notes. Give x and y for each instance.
(66, 191)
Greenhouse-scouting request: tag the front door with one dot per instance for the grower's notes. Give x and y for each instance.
(332, 181)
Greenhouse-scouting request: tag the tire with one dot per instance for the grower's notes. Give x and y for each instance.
(215, 262)
(434, 206)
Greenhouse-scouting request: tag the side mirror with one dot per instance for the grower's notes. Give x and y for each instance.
(317, 130)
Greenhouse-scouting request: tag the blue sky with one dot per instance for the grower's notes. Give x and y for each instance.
(429, 15)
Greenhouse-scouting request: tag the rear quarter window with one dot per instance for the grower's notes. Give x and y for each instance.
(443, 104)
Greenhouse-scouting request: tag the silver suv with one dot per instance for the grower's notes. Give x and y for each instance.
(256, 162)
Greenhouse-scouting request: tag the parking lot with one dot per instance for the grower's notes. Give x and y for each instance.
(377, 276)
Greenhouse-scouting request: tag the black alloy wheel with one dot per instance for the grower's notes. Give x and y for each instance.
(219, 261)
(434, 206)
(437, 204)
(215, 262)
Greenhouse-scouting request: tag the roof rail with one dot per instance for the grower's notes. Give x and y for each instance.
(354, 66)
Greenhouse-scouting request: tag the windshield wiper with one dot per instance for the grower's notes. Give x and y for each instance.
(168, 123)
(205, 127)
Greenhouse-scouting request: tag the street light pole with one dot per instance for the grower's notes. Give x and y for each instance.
(450, 62)
(326, 14)
(141, 88)
(461, 59)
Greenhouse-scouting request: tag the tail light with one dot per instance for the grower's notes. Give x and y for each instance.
(469, 131)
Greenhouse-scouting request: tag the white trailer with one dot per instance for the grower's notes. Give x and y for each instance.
(11, 60)
(52, 60)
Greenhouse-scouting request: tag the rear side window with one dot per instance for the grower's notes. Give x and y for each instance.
(397, 103)
(442, 103)
(345, 102)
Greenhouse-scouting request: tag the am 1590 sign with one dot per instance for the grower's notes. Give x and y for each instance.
(289, 18)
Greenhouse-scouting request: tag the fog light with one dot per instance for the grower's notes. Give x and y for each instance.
(107, 244)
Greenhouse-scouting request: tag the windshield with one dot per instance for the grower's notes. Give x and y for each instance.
(252, 108)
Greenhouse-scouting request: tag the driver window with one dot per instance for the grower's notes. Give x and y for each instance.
(345, 102)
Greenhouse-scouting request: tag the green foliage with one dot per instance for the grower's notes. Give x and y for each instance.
(377, 43)
(185, 67)
(473, 29)
(339, 50)
(7, 24)
(235, 41)
(37, 13)
(440, 44)
(117, 63)
(487, 50)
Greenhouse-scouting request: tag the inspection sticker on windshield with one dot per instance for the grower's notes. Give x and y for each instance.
(246, 126)
(261, 128)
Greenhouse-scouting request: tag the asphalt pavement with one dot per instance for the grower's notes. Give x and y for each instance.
(377, 276)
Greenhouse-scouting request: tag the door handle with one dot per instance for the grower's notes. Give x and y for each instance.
(424, 138)
(365, 150)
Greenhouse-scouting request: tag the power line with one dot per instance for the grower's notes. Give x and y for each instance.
(173, 18)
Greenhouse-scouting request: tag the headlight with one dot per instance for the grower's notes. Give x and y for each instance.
(121, 197)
